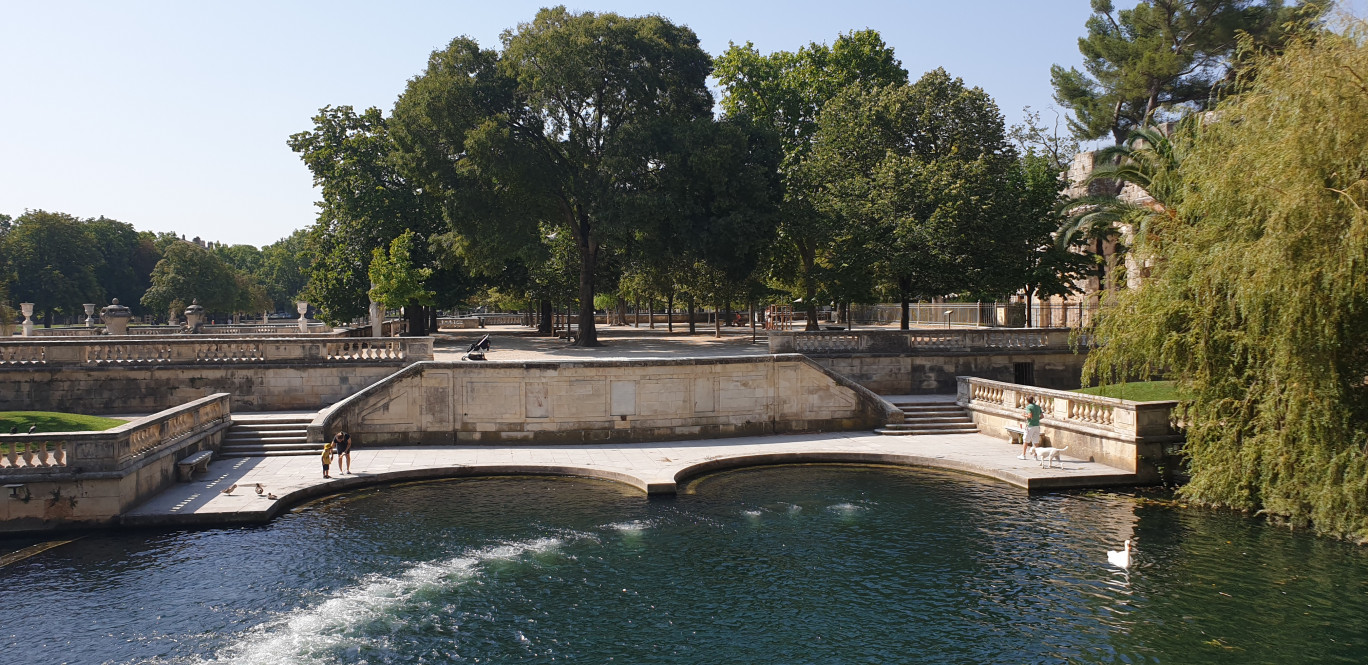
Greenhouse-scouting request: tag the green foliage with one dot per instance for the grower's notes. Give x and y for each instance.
(367, 203)
(398, 283)
(51, 421)
(52, 258)
(786, 92)
(187, 272)
(1161, 55)
(927, 190)
(551, 133)
(1259, 300)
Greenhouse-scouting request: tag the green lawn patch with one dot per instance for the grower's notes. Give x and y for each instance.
(50, 421)
(1139, 391)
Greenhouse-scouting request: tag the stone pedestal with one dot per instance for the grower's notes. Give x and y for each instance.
(377, 320)
(90, 314)
(27, 309)
(303, 308)
(115, 318)
(194, 316)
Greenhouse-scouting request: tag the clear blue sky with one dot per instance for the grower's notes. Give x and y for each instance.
(173, 116)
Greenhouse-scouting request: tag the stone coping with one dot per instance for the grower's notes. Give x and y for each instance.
(657, 469)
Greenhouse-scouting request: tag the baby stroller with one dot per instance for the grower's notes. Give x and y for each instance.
(477, 350)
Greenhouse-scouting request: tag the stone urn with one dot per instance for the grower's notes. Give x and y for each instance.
(115, 318)
(303, 307)
(194, 316)
(90, 314)
(26, 308)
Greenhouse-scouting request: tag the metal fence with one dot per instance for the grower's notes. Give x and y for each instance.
(979, 314)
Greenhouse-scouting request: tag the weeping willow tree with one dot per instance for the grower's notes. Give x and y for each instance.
(1259, 301)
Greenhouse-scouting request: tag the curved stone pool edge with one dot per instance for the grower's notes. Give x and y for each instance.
(654, 468)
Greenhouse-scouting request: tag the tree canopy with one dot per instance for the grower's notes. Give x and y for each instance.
(548, 134)
(1258, 304)
(1162, 56)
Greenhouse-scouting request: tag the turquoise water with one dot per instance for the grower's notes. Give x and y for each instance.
(801, 564)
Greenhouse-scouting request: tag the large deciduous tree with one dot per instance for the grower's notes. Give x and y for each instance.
(787, 91)
(367, 203)
(52, 257)
(930, 192)
(546, 135)
(1258, 303)
(1162, 55)
(189, 272)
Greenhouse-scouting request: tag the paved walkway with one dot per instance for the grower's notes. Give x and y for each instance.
(655, 468)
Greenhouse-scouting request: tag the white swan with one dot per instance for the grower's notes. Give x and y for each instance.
(1120, 558)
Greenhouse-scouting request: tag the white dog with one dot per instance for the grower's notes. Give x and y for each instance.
(1048, 456)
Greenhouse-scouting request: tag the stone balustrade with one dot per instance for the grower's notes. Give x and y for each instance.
(124, 351)
(268, 330)
(110, 450)
(833, 342)
(1136, 436)
(64, 479)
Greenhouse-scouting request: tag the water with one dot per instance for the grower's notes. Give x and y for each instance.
(804, 564)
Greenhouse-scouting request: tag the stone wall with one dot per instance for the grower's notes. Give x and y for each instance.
(937, 373)
(926, 361)
(63, 479)
(122, 376)
(624, 400)
(1139, 437)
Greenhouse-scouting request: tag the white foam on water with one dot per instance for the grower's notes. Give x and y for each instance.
(634, 526)
(318, 634)
(846, 508)
(753, 514)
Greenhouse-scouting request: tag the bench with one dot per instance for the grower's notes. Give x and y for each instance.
(188, 467)
(1016, 434)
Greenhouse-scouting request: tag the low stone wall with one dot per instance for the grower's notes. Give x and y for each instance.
(917, 362)
(67, 478)
(1135, 436)
(122, 376)
(591, 401)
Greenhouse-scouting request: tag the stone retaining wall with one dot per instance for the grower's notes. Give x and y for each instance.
(623, 400)
(67, 478)
(123, 376)
(1136, 436)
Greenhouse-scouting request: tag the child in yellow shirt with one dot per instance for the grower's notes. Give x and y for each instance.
(327, 458)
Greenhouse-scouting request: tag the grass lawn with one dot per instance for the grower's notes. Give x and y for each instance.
(50, 421)
(1139, 391)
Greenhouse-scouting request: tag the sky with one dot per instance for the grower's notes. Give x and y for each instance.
(173, 116)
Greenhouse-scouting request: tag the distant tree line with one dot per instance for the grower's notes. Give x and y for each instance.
(60, 262)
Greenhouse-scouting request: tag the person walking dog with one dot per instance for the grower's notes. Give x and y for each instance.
(1033, 416)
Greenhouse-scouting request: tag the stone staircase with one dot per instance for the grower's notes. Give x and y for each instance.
(268, 435)
(940, 416)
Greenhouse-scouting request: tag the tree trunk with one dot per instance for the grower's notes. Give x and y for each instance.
(587, 334)
(544, 314)
(432, 319)
(650, 312)
(692, 330)
(904, 286)
(417, 324)
(717, 320)
(669, 311)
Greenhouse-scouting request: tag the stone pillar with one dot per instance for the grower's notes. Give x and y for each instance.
(303, 308)
(27, 309)
(194, 316)
(90, 314)
(377, 320)
(115, 318)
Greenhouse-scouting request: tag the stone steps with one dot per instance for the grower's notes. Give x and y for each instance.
(268, 437)
(926, 418)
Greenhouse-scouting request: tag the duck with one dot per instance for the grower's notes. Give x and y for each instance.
(272, 497)
(230, 489)
(33, 428)
(1120, 558)
(260, 489)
